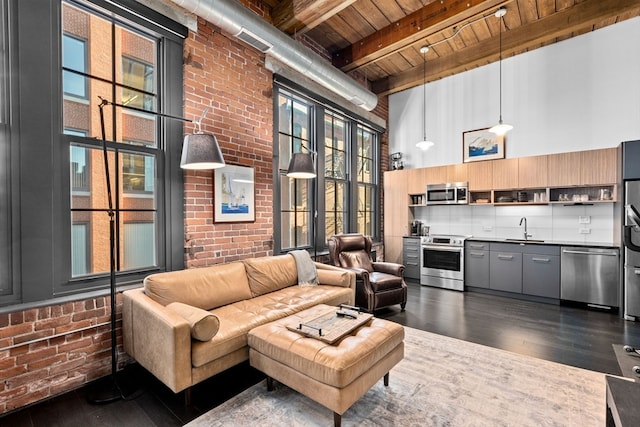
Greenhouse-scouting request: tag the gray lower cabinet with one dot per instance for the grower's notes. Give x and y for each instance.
(476, 264)
(505, 267)
(411, 257)
(541, 271)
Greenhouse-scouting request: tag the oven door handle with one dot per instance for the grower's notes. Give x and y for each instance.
(443, 248)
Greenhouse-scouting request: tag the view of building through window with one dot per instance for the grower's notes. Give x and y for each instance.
(105, 58)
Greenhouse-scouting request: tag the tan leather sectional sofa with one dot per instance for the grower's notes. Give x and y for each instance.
(186, 326)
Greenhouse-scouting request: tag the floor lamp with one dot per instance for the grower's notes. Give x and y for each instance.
(302, 166)
(199, 151)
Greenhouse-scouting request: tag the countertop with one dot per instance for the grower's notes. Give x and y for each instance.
(545, 242)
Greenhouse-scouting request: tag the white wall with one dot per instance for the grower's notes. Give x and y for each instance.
(579, 94)
(582, 93)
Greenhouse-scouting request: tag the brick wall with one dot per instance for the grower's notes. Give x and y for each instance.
(34, 366)
(230, 79)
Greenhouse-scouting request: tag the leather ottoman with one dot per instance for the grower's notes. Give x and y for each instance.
(334, 375)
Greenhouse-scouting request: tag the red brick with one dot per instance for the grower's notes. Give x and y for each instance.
(24, 359)
(12, 331)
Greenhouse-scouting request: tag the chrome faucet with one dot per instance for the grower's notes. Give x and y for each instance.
(526, 234)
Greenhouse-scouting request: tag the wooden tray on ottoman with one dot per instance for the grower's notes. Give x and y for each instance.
(333, 324)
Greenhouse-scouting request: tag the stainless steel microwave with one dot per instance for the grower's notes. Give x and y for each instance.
(452, 193)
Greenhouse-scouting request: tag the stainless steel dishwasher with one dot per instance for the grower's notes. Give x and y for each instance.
(590, 275)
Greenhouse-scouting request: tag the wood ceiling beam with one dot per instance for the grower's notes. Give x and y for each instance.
(431, 19)
(300, 16)
(520, 39)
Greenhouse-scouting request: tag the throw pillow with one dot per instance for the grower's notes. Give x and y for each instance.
(204, 325)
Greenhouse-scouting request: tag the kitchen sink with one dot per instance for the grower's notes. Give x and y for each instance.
(524, 241)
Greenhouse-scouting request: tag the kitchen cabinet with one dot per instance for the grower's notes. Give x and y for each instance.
(563, 169)
(532, 172)
(505, 174)
(598, 166)
(457, 173)
(476, 264)
(396, 214)
(417, 181)
(480, 176)
(505, 267)
(411, 257)
(541, 271)
(436, 175)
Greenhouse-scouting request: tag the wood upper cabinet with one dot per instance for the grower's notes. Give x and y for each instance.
(505, 174)
(563, 169)
(480, 176)
(436, 175)
(396, 204)
(598, 166)
(457, 173)
(416, 180)
(532, 172)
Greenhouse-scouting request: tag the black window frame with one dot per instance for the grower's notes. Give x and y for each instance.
(320, 105)
(39, 202)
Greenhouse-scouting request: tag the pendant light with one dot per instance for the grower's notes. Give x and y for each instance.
(424, 144)
(501, 128)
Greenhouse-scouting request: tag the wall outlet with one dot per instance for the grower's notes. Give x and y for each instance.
(487, 228)
(585, 230)
(584, 220)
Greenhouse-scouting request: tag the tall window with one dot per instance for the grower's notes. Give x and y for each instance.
(52, 171)
(335, 174)
(133, 136)
(366, 178)
(296, 206)
(347, 182)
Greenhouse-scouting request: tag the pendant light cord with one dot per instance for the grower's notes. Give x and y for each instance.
(500, 65)
(424, 95)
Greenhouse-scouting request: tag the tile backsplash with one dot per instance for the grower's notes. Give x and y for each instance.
(579, 223)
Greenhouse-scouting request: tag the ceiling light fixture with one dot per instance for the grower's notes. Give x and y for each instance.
(424, 144)
(501, 128)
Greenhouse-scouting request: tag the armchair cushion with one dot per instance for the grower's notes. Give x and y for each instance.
(203, 324)
(356, 259)
(381, 282)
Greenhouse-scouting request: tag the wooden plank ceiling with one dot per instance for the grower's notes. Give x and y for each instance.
(381, 39)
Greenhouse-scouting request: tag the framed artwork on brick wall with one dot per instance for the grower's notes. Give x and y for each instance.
(234, 194)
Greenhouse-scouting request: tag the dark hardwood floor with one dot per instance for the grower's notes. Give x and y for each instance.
(569, 335)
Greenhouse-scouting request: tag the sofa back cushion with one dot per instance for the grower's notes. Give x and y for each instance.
(268, 274)
(205, 288)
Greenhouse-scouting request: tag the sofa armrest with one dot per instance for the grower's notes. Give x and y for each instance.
(389, 267)
(158, 339)
(336, 276)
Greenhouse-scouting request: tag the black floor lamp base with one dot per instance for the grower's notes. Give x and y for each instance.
(108, 393)
(124, 385)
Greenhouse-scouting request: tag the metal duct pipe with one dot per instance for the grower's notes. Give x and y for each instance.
(240, 22)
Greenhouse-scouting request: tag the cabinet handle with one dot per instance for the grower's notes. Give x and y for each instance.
(540, 260)
(478, 254)
(567, 251)
(505, 257)
(476, 246)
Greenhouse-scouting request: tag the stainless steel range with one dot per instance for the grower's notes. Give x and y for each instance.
(442, 261)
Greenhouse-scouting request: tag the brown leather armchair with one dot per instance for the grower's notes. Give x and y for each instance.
(378, 284)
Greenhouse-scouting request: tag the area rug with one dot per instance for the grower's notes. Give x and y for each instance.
(440, 382)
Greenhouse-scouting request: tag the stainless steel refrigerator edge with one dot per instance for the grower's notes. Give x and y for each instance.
(630, 186)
